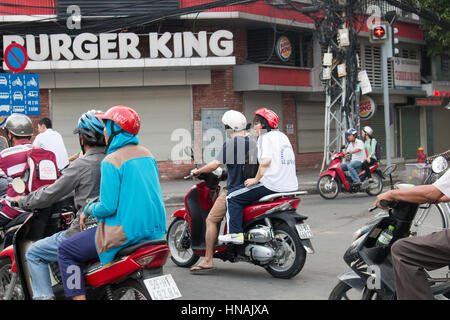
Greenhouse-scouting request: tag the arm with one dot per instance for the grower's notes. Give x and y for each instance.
(109, 193)
(263, 166)
(45, 196)
(417, 194)
(37, 142)
(213, 165)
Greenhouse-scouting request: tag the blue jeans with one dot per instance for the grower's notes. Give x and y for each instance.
(239, 197)
(39, 255)
(73, 253)
(351, 167)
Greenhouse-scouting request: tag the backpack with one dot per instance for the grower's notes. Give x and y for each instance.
(250, 167)
(378, 151)
(41, 169)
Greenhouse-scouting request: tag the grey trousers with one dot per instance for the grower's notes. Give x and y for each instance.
(410, 256)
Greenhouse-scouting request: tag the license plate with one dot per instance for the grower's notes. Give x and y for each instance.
(162, 288)
(304, 231)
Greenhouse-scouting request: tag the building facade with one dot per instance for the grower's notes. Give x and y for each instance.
(181, 74)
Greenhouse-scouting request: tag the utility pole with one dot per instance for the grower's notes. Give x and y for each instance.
(338, 38)
(388, 51)
(387, 120)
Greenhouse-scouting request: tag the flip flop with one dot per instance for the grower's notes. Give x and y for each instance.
(202, 270)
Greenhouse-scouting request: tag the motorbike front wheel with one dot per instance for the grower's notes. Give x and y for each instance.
(343, 291)
(6, 277)
(328, 187)
(290, 254)
(181, 252)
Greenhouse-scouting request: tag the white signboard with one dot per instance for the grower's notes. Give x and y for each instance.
(106, 50)
(407, 73)
(364, 82)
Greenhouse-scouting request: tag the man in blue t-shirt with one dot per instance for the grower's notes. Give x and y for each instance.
(233, 155)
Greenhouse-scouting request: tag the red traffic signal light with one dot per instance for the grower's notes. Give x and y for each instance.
(379, 32)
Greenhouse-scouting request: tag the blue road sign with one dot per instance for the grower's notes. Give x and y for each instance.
(19, 93)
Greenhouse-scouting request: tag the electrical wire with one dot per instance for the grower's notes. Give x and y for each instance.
(114, 24)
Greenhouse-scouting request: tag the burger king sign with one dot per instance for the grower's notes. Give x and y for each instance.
(367, 107)
(284, 48)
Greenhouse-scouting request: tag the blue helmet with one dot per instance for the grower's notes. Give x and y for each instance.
(351, 131)
(91, 128)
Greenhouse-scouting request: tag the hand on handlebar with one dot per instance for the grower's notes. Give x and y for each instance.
(385, 200)
(193, 173)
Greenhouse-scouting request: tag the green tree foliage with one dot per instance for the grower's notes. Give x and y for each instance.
(436, 35)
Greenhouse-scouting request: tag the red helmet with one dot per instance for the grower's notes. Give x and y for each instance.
(124, 116)
(270, 116)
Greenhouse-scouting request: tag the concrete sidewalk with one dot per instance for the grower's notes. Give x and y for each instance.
(174, 191)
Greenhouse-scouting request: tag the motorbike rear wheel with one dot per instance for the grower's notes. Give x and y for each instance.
(291, 254)
(130, 290)
(376, 186)
(328, 187)
(181, 255)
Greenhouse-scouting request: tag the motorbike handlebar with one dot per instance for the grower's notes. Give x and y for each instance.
(188, 177)
(385, 204)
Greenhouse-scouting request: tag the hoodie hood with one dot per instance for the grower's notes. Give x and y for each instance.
(119, 140)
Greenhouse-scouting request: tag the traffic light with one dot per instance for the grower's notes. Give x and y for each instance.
(391, 46)
(379, 32)
(392, 50)
(395, 50)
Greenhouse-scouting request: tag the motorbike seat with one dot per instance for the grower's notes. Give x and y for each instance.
(20, 219)
(94, 265)
(129, 250)
(282, 194)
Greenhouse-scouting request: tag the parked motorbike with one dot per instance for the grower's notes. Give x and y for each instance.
(276, 237)
(135, 273)
(335, 180)
(372, 275)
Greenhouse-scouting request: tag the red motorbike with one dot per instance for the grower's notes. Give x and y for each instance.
(135, 273)
(276, 237)
(335, 180)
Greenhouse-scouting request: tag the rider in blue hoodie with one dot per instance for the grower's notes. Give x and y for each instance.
(131, 207)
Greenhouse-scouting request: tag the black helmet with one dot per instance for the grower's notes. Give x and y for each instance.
(91, 128)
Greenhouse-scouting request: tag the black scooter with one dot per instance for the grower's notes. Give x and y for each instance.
(372, 270)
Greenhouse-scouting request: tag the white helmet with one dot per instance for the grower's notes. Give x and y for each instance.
(368, 130)
(235, 120)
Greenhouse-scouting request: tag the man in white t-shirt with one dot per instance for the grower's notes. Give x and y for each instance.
(51, 140)
(411, 256)
(356, 149)
(276, 173)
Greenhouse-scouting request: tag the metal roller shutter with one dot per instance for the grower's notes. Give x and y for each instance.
(161, 110)
(377, 124)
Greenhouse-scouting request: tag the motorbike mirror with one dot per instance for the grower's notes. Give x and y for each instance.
(439, 164)
(388, 171)
(189, 152)
(18, 185)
